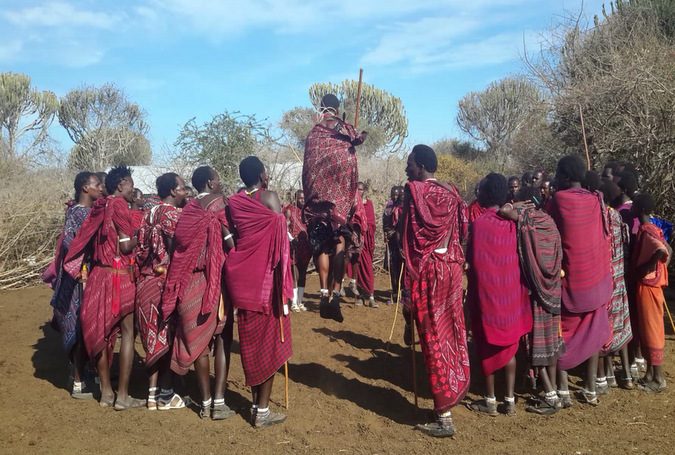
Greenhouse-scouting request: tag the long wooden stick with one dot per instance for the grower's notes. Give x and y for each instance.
(414, 362)
(358, 99)
(583, 133)
(398, 299)
(670, 316)
(281, 329)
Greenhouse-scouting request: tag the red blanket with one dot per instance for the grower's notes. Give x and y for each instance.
(198, 244)
(329, 171)
(262, 248)
(500, 304)
(584, 229)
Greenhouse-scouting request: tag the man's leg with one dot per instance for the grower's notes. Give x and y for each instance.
(204, 380)
(338, 264)
(103, 368)
(588, 394)
(263, 416)
(124, 401)
(509, 398)
(221, 364)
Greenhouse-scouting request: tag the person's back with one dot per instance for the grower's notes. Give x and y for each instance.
(580, 217)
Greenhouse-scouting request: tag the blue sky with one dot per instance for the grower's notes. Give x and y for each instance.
(196, 58)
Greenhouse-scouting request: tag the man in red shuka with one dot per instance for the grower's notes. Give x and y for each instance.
(259, 283)
(434, 225)
(329, 178)
(193, 292)
(109, 296)
(153, 253)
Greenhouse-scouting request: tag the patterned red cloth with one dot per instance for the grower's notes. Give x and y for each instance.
(329, 171)
(540, 254)
(193, 285)
(159, 224)
(500, 305)
(587, 286)
(137, 218)
(301, 250)
(110, 290)
(434, 280)
(198, 246)
(618, 310)
(364, 268)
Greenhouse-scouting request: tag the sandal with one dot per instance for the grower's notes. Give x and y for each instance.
(484, 407)
(130, 403)
(173, 402)
(543, 407)
(651, 386)
(588, 397)
(627, 383)
(221, 412)
(107, 402)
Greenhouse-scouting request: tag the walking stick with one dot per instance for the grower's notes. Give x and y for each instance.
(670, 316)
(281, 328)
(358, 99)
(583, 133)
(414, 363)
(398, 299)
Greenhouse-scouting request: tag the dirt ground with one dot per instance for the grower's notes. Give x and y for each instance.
(350, 393)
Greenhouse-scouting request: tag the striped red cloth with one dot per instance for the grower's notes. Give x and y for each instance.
(587, 286)
(193, 285)
(584, 229)
(500, 305)
(110, 291)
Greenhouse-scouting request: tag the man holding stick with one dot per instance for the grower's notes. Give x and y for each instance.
(329, 180)
(259, 283)
(433, 226)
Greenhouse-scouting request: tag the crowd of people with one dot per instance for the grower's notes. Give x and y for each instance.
(562, 270)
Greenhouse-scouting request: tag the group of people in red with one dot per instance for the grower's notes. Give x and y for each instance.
(567, 271)
(177, 274)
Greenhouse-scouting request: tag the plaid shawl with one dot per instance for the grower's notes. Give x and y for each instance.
(540, 253)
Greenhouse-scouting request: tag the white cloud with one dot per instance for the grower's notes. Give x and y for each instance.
(60, 14)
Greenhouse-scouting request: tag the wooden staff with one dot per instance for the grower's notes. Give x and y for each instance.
(414, 363)
(583, 133)
(398, 299)
(672, 324)
(281, 328)
(358, 99)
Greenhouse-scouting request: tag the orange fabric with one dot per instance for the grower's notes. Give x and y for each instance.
(650, 301)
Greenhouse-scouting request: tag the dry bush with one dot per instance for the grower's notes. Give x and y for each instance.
(463, 174)
(31, 218)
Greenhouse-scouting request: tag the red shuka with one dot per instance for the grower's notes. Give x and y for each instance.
(110, 290)
(259, 281)
(437, 213)
(498, 296)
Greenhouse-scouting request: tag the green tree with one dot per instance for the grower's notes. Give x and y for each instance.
(25, 116)
(106, 127)
(493, 116)
(222, 143)
(380, 113)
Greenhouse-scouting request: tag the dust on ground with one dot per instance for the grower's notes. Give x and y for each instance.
(350, 393)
